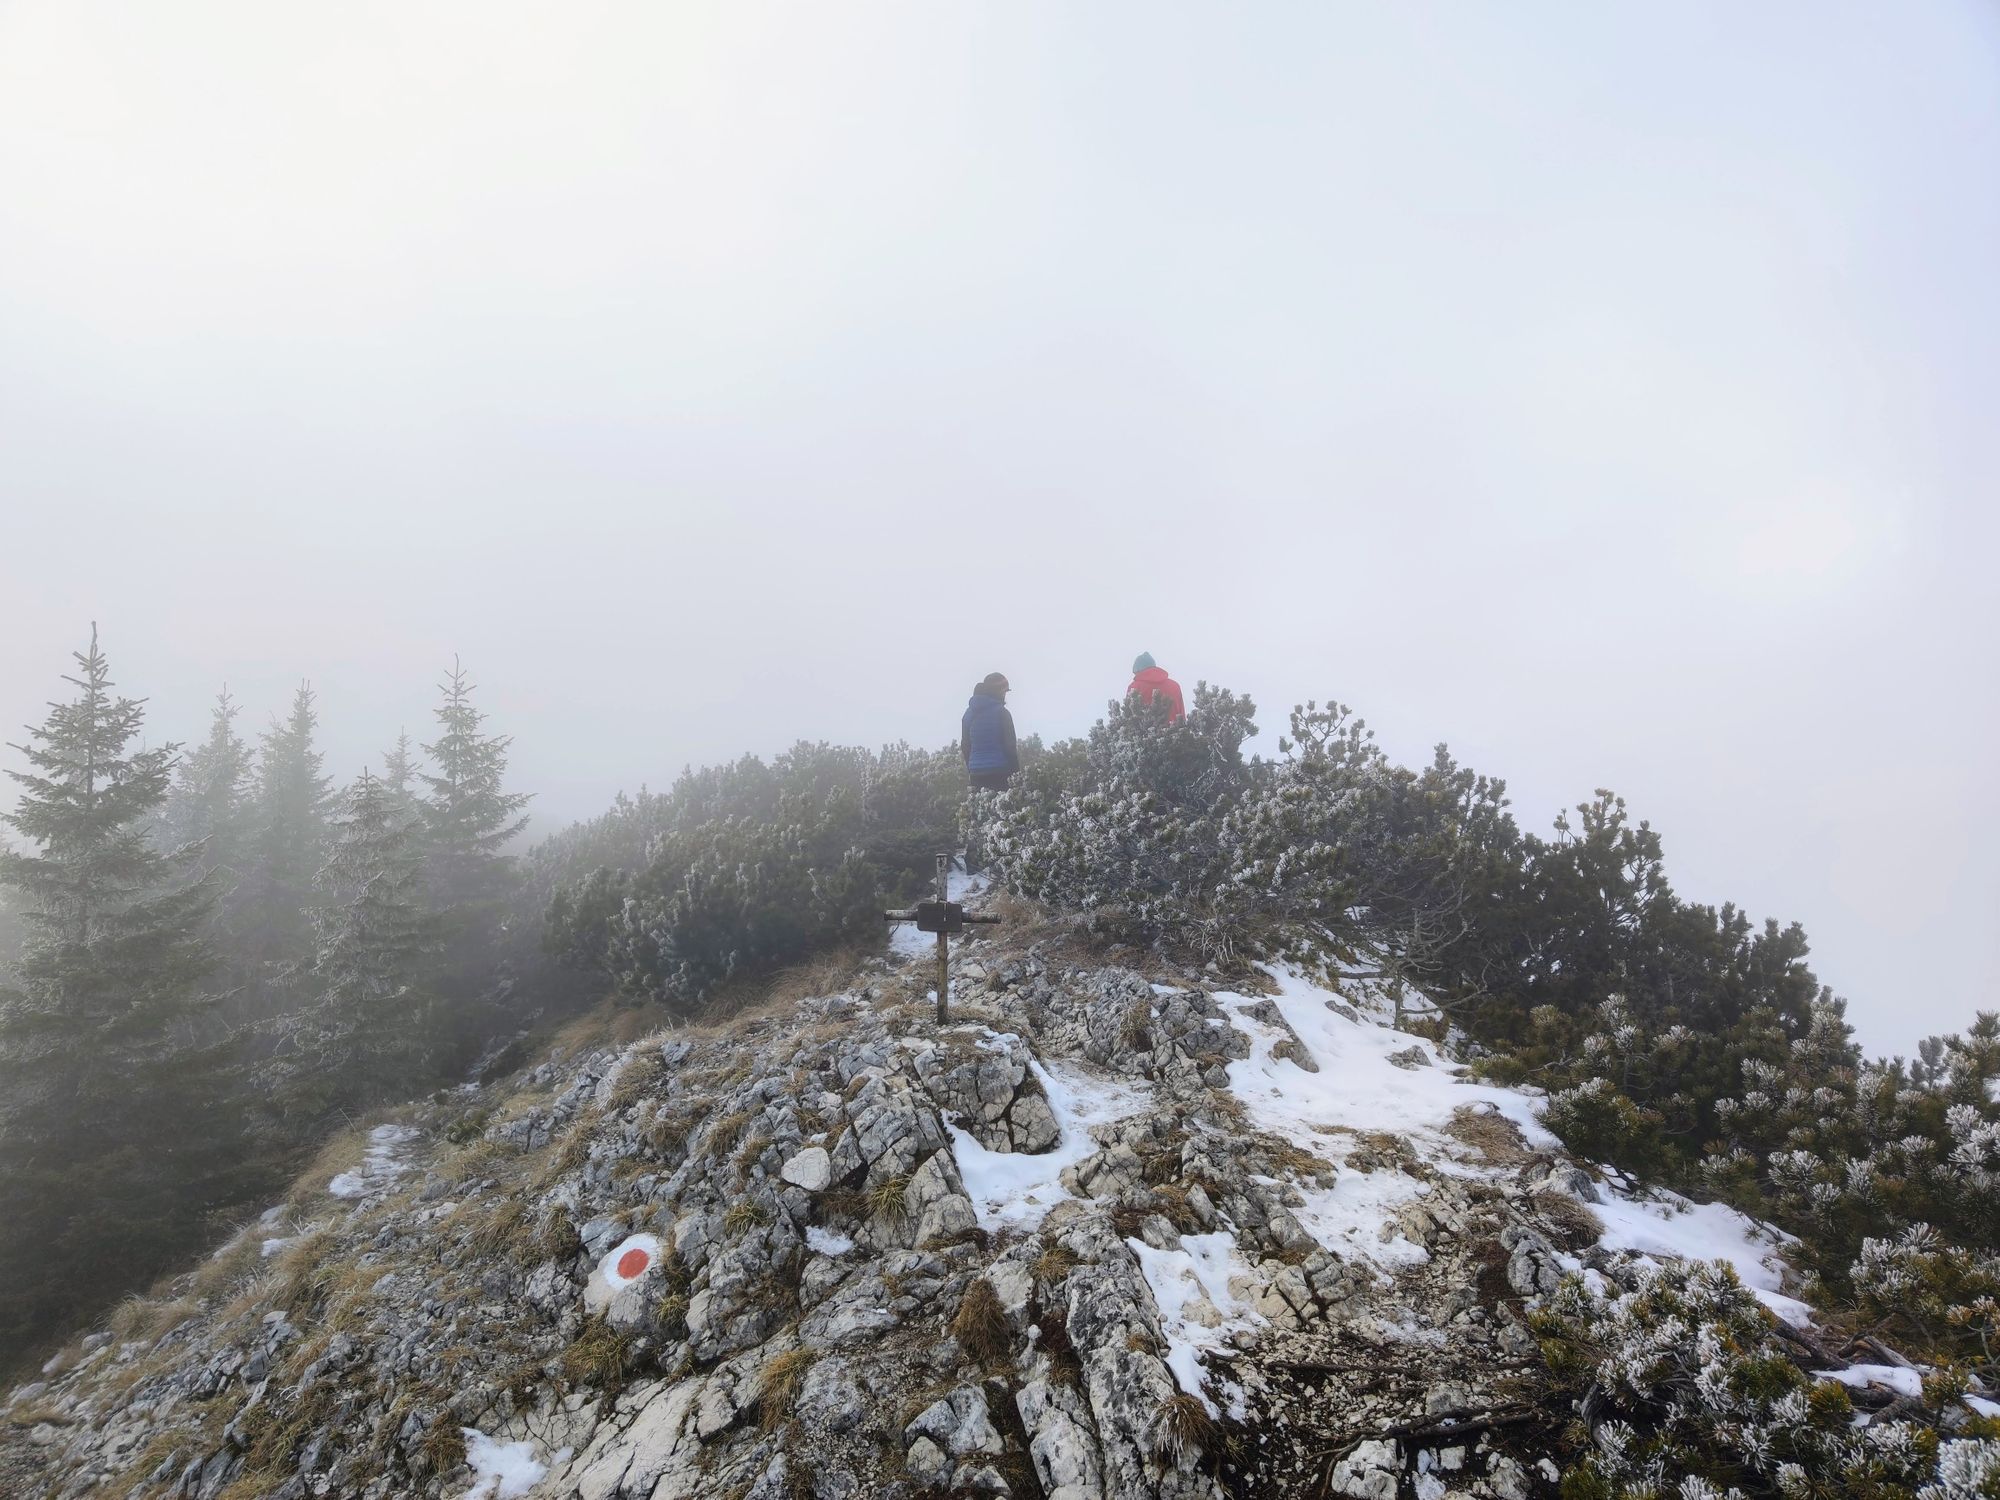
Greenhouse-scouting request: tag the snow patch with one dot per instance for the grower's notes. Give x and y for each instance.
(1198, 1307)
(501, 1471)
(1890, 1377)
(380, 1167)
(1356, 1217)
(1664, 1223)
(1013, 1189)
(826, 1242)
(1356, 1088)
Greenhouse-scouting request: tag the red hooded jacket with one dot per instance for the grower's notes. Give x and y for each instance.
(1154, 682)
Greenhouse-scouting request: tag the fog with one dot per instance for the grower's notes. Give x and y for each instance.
(1609, 395)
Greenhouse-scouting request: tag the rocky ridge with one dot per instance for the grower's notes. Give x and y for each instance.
(834, 1250)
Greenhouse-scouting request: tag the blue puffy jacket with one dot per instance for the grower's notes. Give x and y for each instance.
(986, 735)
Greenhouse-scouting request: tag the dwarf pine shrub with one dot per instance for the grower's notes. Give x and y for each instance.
(1687, 1390)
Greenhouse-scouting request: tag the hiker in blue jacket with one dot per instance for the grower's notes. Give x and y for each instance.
(986, 736)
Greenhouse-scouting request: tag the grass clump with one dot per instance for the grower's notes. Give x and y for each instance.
(1576, 1226)
(507, 1233)
(575, 1149)
(443, 1447)
(1054, 1264)
(306, 1278)
(744, 1215)
(980, 1324)
(666, 1136)
(1182, 1429)
(782, 1376)
(558, 1239)
(599, 1357)
(724, 1132)
(886, 1201)
(642, 1074)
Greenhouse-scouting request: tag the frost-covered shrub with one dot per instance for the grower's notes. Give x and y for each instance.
(1686, 1389)
(1165, 832)
(750, 867)
(1943, 1295)
(1131, 827)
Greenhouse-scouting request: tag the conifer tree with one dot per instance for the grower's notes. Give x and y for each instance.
(208, 809)
(372, 934)
(113, 1151)
(468, 815)
(207, 800)
(399, 774)
(291, 804)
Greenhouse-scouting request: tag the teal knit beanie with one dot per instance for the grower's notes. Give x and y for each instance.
(1145, 663)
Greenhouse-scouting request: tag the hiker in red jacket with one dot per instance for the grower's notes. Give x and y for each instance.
(1150, 681)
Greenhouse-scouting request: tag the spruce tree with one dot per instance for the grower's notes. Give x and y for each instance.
(290, 815)
(206, 803)
(468, 815)
(107, 1096)
(364, 1032)
(399, 774)
(208, 812)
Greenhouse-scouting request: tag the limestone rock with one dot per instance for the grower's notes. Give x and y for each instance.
(810, 1169)
(1370, 1472)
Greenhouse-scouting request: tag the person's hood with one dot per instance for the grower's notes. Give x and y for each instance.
(980, 698)
(1152, 676)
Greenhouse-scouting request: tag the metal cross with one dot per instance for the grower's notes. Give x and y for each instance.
(944, 917)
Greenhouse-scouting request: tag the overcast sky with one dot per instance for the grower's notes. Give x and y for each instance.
(1610, 391)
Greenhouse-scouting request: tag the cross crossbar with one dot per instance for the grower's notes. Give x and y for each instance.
(944, 917)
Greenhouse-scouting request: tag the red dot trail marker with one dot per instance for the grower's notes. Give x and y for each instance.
(633, 1259)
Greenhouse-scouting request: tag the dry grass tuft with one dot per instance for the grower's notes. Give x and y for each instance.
(506, 1233)
(588, 1032)
(842, 1205)
(1492, 1134)
(1136, 1032)
(829, 974)
(305, 1278)
(343, 1152)
(744, 1215)
(1577, 1227)
(1175, 1206)
(631, 1022)
(575, 1149)
(980, 1325)
(1065, 1368)
(886, 1201)
(558, 1239)
(666, 1135)
(600, 1356)
(724, 1132)
(444, 1445)
(1182, 1429)
(782, 1376)
(642, 1074)
(147, 1318)
(165, 1445)
(1053, 1265)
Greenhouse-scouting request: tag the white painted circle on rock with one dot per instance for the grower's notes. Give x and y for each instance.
(630, 1260)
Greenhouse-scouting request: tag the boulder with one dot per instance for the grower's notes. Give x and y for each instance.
(810, 1169)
